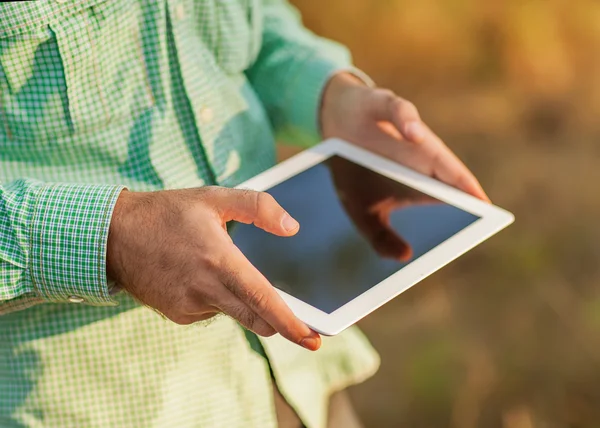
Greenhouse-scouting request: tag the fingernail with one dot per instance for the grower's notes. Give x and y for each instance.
(312, 343)
(414, 131)
(289, 224)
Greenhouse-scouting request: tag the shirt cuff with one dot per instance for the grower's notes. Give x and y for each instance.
(359, 74)
(68, 237)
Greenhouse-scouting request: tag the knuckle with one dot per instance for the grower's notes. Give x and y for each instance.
(245, 194)
(258, 300)
(405, 106)
(387, 94)
(245, 317)
(263, 201)
(207, 190)
(266, 198)
(409, 105)
(206, 197)
(227, 275)
(214, 262)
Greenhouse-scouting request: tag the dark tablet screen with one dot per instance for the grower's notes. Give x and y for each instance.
(357, 228)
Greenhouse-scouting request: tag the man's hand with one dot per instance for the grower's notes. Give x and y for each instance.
(171, 251)
(384, 123)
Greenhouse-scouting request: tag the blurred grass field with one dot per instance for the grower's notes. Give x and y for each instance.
(508, 336)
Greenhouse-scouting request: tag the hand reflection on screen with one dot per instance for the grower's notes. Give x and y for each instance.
(369, 199)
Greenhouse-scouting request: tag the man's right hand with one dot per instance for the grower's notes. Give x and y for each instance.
(171, 251)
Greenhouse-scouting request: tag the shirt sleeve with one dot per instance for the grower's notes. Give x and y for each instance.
(53, 243)
(291, 71)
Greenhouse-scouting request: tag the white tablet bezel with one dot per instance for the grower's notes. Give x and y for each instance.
(492, 220)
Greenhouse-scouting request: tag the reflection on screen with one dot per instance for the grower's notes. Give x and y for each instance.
(357, 228)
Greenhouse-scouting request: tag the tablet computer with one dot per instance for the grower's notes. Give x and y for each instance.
(369, 230)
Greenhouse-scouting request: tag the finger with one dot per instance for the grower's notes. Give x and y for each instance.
(432, 157)
(448, 168)
(235, 308)
(259, 208)
(401, 113)
(255, 291)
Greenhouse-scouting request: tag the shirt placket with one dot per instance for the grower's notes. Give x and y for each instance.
(197, 82)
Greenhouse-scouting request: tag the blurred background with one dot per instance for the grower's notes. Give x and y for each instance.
(507, 336)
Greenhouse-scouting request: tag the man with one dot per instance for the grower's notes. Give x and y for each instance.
(104, 105)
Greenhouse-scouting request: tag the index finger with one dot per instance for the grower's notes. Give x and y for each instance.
(448, 168)
(252, 288)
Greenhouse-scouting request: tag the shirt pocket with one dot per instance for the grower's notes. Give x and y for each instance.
(231, 29)
(69, 70)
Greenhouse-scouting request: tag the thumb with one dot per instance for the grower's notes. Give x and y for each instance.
(250, 207)
(402, 114)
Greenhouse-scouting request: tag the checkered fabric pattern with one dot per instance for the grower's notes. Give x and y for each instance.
(98, 95)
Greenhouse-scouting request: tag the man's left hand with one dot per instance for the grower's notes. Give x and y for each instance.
(384, 123)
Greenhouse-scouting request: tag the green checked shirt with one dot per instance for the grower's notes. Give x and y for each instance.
(149, 94)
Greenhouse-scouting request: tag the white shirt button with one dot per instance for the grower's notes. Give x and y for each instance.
(206, 114)
(179, 12)
(76, 299)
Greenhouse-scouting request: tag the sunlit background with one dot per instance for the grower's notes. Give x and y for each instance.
(509, 335)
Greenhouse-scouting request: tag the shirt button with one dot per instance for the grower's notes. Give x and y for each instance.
(206, 114)
(76, 299)
(179, 12)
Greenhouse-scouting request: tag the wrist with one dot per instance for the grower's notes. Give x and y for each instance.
(116, 232)
(339, 90)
